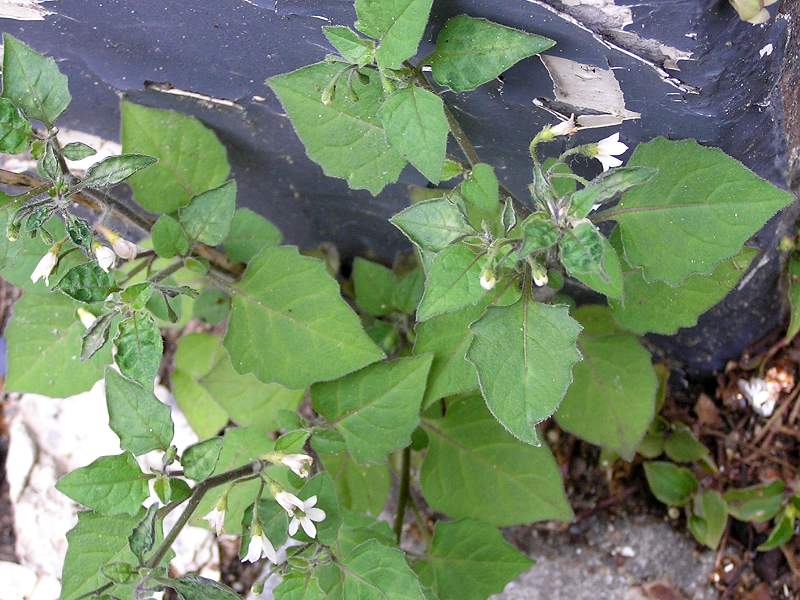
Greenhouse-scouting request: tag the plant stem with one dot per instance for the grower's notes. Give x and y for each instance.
(402, 497)
(167, 271)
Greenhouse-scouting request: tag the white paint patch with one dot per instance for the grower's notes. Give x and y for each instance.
(619, 16)
(23, 10)
(766, 51)
(588, 87)
(167, 88)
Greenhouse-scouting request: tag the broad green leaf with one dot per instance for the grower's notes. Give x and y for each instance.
(538, 233)
(794, 299)
(86, 283)
(605, 187)
(289, 324)
(398, 24)
(448, 338)
(524, 354)
(471, 52)
(474, 468)
(139, 348)
(608, 279)
(115, 169)
(417, 128)
(15, 129)
(670, 484)
(757, 503)
(345, 137)
(470, 560)
(372, 570)
(299, 586)
(199, 460)
(581, 249)
(480, 192)
(194, 587)
(347, 42)
(377, 408)
(708, 518)
(360, 488)
(143, 536)
(433, 224)
(374, 287)
(409, 291)
(682, 446)
(169, 237)
(611, 401)
(212, 306)
(110, 485)
(709, 201)
(207, 218)
(191, 160)
(78, 151)
(44, 348)
(658, 308)
(33, 82)
(141, 421)
(452, 282)
(781, 534)
(357, 528)
(249, 233)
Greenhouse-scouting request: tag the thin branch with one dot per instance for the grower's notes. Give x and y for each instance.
(402, 499)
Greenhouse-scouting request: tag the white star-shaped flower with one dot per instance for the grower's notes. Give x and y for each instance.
(260, 547)
(298, 463)
(607, 151)
(216, 519)
(105, 257)
(289, 502)
(567, 127)
(45, 266)
(305, 517)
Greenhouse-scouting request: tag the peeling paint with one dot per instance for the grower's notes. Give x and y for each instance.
(168, 88)
(766, 51)
(590, 92)
(23, 10)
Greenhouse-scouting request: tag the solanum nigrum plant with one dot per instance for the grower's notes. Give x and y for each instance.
(435, 373)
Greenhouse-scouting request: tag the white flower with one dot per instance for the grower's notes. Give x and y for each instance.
(216, 519)
(289, 502)
(761, 395)
(539, 274)
(299, 463)
(305, 517)
(124, 249)
(105, 257)
(260, 547)
(86, 317)
(46, 265)
(488, 279)
(567, 127)
(607, 151)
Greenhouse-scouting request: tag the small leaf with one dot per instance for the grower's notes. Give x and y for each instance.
(708, 518)
(671, 484)
(33, 82)
(782, 533)
(471, 52)
(87, 283)
(433, 224)
(353, 48)
(199, 460)
(114, 170)
(398, 25)
(452, 282)
(143, 536)
(757, 503)
(120, 572)
(608, 278)
(417, 128)
(15, 129)
(78, 151)
(794, 299)
(110, 485)
(606, 186)
(581, 249)
(208, 216)
(141, 421)
(374, 287)
(480, 192)
(212, 306)
(97, 335)
(169, 238)
(195, 587)
(139, 348)
(79, 231)
(137, 295)
(682, 446)
(538, 233)
(249, 233)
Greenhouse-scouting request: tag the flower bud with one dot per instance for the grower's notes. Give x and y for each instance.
(12, 231)
(488, 279)
(539, 273)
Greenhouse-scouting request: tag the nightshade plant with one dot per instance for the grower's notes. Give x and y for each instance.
(438, 371)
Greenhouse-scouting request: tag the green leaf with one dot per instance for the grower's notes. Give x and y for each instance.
(417, 128)
(606, 186)
(360, 488)
(710, 202)
(289, 324)
(97, 335)
(375, 409)
(169, 238)
(470, 560)
(398, 24)
(538, 233)
(141, 421)
(86, 283)
(794, 299)
(44, 341)
(608, 279)
(374, 287)
(358, 528)
(321, 485)
(199, 460)
(757, 503)
(110, 485)
(671, 484)
(781, 534)
(207, 218)
(194, 587)
(143, 536)
(452, 282)
(372, 570)
(581, 249)
(659, 308)
(682, 446)
(15, 129)
(611, 401)
(347, 42)
(299, 586)
(115, 169)
(78, 151)
(474, 468)
(249, 233)
(433, 224)
(139, 348)
(471, 52)
(33, 82)
(480, 192)
(273, 520)
(708, 518)
(524, 355)
(191, 159)
(212, 306)
(345, 137)
(120, 572)
(448, 338)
